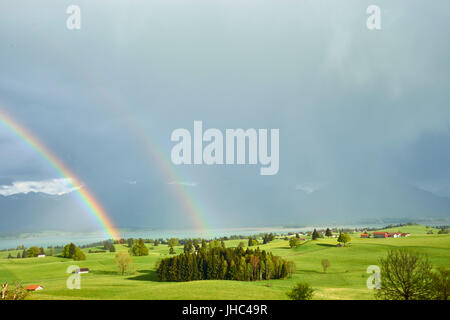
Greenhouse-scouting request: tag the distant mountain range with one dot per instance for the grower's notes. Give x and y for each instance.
(334, 204)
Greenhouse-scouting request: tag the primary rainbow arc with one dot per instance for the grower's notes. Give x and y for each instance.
(83, 193)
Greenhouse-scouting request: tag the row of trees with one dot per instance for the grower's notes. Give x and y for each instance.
(224, 264)
(32, 252)
(109, 246)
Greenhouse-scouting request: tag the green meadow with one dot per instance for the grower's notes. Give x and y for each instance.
(345, 279)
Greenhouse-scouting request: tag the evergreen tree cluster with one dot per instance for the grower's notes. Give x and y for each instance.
(220, 263)
(73, 252)
(268, 237)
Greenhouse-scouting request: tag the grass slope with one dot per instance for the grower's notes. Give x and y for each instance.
(345, 279)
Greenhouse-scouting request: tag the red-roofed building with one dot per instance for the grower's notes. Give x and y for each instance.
(365, 235)
(394, 235)
(406, 234)
(380, 234)
(34, 287)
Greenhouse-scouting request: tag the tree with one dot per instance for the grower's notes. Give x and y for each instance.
(315, 235)
(441, 283)
(19, 292)
(107, 245)
(225, 264)
(70, 250)
(344, 238)
(173, 242)
(171, 251)
(325, 265)
(112, 248)
(301, 291)
(328, 232)
(130, 242)
(78, 255)
(139, 249)
(188, 246)
(268, 237)
(123, 261)
(405, 275)
(24, 253)
(293, 242)
(33, 252)
(65, 251)
(9, 256)
(19, 255)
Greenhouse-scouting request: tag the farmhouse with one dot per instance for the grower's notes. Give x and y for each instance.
(34, 287)
(41, 255)
(406, 234)
(380, 234)
(82, 270)
(394, 235)
(365, 235)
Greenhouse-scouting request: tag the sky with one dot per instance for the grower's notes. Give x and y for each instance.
(363, 114)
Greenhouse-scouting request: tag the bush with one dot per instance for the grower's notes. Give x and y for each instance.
(293, 242)
(79, 255)
(301, 291)
(344, 238)
(33, 252)
(19, 293)
(325, 265)
(139, 249)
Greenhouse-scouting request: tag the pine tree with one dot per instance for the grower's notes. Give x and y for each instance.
(315, 235)
(72, 249)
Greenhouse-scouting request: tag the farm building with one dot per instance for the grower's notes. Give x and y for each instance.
(394, 235)
(380, 234)
(82, 270)
(365, 235)
(41, 255)
(406, 234)
(34, 287)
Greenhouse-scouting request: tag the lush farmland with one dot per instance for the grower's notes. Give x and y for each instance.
(345, 279)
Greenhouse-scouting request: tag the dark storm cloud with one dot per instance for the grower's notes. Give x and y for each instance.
(363, 115)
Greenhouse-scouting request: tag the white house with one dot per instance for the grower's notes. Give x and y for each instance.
(82, 270)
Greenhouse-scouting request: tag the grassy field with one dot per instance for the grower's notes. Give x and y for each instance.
(345, 279)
